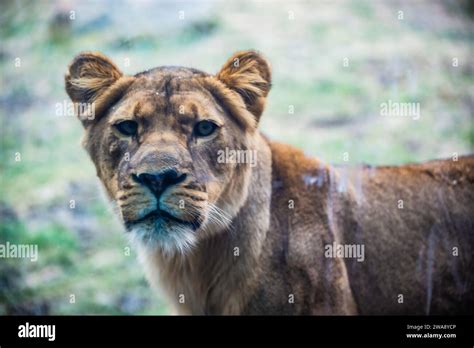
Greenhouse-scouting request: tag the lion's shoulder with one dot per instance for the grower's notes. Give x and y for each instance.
(292, 166)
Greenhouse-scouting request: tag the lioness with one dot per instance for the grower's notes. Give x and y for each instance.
(285, 234)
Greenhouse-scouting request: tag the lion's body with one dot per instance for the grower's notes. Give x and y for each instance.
(408, 218)
(423, 249)
(225, 237)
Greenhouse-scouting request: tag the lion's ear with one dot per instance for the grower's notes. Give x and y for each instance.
(248, 74)
(92, 80)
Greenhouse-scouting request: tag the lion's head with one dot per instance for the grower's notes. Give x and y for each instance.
(156, 137)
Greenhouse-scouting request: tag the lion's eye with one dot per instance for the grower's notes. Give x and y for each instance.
(127, 128)
(204, 128)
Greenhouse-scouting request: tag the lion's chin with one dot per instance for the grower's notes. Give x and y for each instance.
(164, 235)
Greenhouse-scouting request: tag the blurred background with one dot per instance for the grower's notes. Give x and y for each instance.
(334, 64)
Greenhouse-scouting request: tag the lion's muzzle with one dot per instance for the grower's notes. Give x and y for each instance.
(174, 199)
(158, 182)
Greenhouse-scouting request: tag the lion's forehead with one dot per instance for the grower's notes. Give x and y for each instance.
(183, 105)
(168, 81)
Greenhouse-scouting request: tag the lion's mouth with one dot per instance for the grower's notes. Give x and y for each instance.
(164, 215)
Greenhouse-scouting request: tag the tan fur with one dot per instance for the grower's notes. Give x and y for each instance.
(249, 74)
(251, 240)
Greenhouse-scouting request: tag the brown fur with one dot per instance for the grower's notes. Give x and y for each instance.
(263, 252)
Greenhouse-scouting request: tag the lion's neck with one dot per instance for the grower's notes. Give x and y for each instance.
(221, 273)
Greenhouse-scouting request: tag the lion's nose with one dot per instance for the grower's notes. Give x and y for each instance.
(158, 182)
